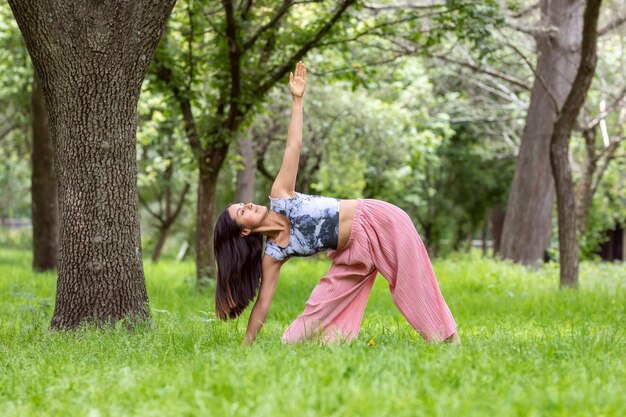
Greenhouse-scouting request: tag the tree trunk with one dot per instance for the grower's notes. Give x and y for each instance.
(559, 148)
(44, 202)
(245, 176)
(91, 60)
(207, 185)
(156, 253)
(484, 237)
(497, 221)
(527, 226)
(584, 195)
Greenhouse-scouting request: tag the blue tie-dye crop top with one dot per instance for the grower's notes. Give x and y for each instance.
(314, 225)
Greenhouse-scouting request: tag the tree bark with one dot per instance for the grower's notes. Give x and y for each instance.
(584, 195)
(91, 60)
(559, 148)
(497, 221)
(245, 176)
(207, 184)
(484, 237)
(527, 226)
(44, 202)
(158, 248)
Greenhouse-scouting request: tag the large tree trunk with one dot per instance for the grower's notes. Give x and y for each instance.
(527, 226)
(245, 176)
(91, 60)
(559, 148)
(44, 206)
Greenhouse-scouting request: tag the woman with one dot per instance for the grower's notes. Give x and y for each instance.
(364, 237)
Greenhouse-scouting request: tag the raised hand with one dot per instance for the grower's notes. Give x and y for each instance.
(297, 81)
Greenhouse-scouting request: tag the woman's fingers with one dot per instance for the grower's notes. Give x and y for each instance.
(300, 70)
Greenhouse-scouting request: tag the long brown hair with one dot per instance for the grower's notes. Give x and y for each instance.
(238, 267)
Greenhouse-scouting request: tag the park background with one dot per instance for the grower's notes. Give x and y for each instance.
(456, 111)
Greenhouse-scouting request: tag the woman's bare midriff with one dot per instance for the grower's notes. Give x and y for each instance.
(346, 214)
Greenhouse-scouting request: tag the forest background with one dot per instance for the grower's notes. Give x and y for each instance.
(424, 107)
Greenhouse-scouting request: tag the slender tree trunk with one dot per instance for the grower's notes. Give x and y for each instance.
(584, 195)
(44, 202)
(497, 221)
(527, 226)
(559, 148)
(163, 233)
(207, 185)
(245, 176)
(484, 237)
(91, 60)
(167, 218)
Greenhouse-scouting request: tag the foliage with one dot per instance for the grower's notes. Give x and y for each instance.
(393, 145)
(527, 350)
(347, 134)
(608, 211)
(15, 80)
(165, 165)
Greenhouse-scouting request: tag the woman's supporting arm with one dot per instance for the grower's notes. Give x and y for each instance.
(269, 279)
(285, 182)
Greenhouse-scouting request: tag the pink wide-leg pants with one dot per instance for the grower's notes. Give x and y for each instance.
(383, 239)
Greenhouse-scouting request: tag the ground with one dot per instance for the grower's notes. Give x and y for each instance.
(529, 349)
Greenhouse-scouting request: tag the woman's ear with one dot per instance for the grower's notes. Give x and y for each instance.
(245, 232)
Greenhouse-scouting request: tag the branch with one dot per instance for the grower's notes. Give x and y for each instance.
(234, 56)
(190, 42)
(612, 25)
(488, 71)
(379, 7)
(213, 26)
(279, 14)
(260, 165)
(278, 73)
(179, 205)
(555, 102)
(245, 8)
(607, 155)
(618, 102)
(149, 210)
(485, 119)
(371, 30)
(351, 68)
(526, 11)
(164, 73)
(7, 131)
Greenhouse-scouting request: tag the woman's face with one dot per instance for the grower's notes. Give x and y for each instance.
(247, 215)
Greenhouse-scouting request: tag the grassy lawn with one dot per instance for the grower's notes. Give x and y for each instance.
(528, 350)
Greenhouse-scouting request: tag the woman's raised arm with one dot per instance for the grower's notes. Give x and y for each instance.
(285, 182)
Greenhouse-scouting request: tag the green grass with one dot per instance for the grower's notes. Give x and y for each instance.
(529, 349)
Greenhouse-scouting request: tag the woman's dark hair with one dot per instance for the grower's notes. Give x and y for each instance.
(238, 267)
